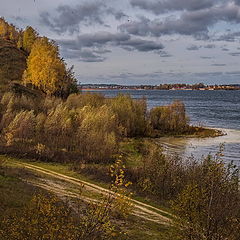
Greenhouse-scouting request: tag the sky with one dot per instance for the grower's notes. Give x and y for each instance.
(139, 41)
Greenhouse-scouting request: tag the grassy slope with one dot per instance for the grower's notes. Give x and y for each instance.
(14, 193)
(12, 63)
(65, 169)
(17, 193)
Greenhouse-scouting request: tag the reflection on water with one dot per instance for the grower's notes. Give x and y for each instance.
(202, 146)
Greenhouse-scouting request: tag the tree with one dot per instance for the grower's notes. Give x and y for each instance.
(131, 115)
(69, 85)
(207, 208)
(21, 128)
(29, 37)
(8, 31)
(171, 118)
(3, 28)
(47, 71)
(97, 135)
(20, 40)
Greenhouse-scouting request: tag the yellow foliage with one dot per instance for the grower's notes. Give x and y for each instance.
(8, 31)
(45, 69)
(122, 205)
(29, 37)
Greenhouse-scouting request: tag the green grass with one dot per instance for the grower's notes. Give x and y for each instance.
(56, 167)
(17, 194)
(14, 193)
(130, 149)
(66, 170)
(145, 230)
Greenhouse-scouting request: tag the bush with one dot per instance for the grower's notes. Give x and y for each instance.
(206, 207)
(158, 175)
(97, 133)
(59, 129)
(131, 115)
(21, 129)
(16, 103)
(170, 119)
(81, 100)
(46, 217)
(84, 127)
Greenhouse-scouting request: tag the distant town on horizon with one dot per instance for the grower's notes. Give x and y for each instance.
(177, 86)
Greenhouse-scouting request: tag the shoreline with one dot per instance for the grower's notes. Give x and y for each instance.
(200, 146)
(194, 132)
(150, 89)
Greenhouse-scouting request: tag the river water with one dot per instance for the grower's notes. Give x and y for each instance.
(215, 109)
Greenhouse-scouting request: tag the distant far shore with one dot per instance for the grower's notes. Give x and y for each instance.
(185, 87)
(96, 89)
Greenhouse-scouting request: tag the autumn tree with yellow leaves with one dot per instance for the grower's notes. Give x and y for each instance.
(8, 31)
(29, 37)
(47, 71)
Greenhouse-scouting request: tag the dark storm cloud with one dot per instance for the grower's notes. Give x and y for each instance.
(19, 19)
(195, 23)
(101, 38)
(208, 74)
(203, 57)
(237, 2)
(194, 19)
(235, 54)
(69, 18)
(218, 64)
(102, 51)
(229, 37)
(164, 54)
(161, 6)
(157, 28)
(141, 45)
(210, 46)
(118, 14)
(83, 55)
(193, 48)
(89, 56)
(233, 73)
(96, 43)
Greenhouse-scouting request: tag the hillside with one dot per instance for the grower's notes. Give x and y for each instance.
(12, 63)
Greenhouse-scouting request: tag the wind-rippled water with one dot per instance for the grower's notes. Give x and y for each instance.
(216, 109)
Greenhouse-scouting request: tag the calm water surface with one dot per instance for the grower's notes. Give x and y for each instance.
(217, 109)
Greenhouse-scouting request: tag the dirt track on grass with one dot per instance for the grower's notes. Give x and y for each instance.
(142, 210)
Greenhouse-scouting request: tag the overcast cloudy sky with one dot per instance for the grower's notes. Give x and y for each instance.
(139, 41)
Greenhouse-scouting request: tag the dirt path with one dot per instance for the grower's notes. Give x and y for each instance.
(140, 209)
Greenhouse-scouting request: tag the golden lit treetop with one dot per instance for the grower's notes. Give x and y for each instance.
(8, 31)
(46, 70)
(29, 37)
